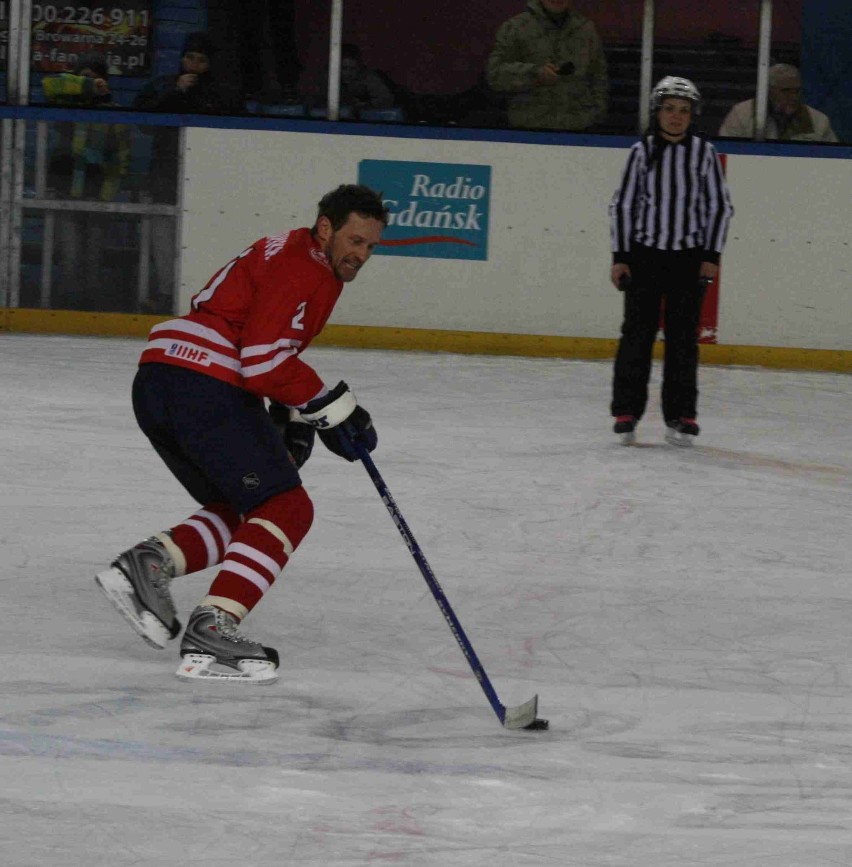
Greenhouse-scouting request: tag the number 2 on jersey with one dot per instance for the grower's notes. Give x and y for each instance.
(298, 321)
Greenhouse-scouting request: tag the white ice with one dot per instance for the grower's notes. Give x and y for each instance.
(684, 615)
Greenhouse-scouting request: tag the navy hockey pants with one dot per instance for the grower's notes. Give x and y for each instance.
(217, 439)
(659, 277)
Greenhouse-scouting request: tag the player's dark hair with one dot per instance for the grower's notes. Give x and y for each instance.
(351, 198)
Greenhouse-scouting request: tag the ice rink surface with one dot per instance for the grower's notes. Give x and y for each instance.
(684, 615)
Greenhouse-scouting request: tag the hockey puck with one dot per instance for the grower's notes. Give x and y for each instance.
(538, 725)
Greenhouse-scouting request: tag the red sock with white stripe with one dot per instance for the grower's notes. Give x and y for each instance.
(259, 550)
(201, 540)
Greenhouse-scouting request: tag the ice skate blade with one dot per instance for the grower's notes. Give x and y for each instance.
(628, 438)
(676, 438)
(115, 586)
(196, 666)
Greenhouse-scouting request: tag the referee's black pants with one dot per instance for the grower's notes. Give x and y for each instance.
(666, 280)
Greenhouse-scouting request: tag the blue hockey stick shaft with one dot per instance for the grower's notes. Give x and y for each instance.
(518, 717)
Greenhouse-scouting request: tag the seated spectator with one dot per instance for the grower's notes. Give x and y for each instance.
(191, 90)
(85, 86)
(787, 119)
(361, 88)
(86, 161)
(549, 61)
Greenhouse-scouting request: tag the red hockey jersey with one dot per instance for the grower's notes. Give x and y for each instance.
(251, 321)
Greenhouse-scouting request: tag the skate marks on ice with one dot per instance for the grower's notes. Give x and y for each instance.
(202, 729)
(767, 775)
(751, 460)
(736, 459)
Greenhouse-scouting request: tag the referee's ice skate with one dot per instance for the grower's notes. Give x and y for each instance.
(681, 431)
(625, 429)
(214, 649)
(137, 584)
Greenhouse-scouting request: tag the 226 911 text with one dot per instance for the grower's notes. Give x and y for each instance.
(98, 16)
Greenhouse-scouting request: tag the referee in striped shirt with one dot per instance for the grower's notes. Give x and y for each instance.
(669, 222)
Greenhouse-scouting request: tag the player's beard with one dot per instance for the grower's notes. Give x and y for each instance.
(347, 271)
(347, 267)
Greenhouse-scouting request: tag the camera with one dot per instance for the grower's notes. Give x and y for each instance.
(567, 68)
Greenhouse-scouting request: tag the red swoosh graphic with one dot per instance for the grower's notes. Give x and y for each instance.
(429, 239)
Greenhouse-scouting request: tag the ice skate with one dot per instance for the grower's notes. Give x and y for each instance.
(625, 427)
(213, 648)
(681, 431)
(137, 584)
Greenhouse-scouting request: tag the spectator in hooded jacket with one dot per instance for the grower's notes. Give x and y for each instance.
(788, 118)
(549, 61)
(191, 90)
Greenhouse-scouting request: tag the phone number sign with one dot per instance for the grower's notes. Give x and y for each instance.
(120, 31)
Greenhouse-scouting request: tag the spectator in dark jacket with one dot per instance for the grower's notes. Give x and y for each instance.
(193, 90)
(361, 87)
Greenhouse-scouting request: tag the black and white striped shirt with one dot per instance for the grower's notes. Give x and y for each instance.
(671, 197)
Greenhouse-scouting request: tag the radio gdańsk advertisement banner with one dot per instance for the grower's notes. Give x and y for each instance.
(120, 30)
(437, 210)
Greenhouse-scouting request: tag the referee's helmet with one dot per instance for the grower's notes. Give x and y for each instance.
(682, 88)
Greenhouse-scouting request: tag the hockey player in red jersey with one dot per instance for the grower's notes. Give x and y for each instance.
(199, 397)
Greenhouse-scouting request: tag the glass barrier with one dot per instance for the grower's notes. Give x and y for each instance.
(99, 217)
(470, 64)
(466, 65)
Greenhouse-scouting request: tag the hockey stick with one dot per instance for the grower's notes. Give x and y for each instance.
(524, 716)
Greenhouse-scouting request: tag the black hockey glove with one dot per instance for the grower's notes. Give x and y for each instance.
(328, 414)
(297, 435)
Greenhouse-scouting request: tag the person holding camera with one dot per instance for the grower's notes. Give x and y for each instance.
(669, 222)
(549, 63)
